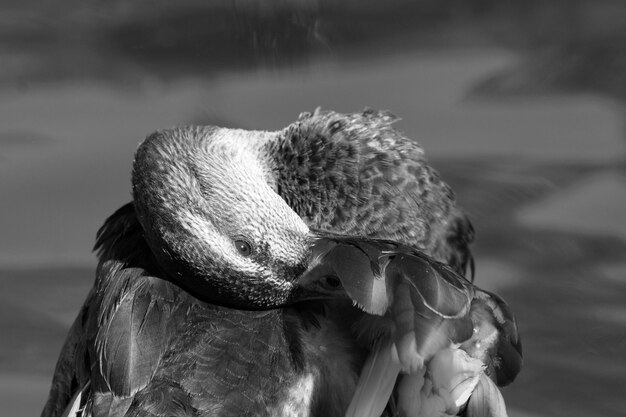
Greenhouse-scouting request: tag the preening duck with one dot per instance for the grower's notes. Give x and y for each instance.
(225, 289)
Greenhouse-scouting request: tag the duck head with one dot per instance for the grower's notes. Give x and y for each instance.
(211, 216)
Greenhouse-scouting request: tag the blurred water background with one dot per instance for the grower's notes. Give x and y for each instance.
(519, 103)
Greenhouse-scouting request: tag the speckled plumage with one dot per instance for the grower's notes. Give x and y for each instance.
(355, 174)
(158, 336)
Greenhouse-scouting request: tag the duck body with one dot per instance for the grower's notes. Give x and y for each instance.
(180, 324)
(225, 362)
(162, 352)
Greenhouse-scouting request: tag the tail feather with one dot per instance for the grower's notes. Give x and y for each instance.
(77, 405)
(376, 383)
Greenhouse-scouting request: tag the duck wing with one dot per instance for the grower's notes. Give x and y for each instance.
(422, 316)
(121, 334)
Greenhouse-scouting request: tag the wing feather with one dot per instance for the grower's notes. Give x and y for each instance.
(134, 336)
(376, 383)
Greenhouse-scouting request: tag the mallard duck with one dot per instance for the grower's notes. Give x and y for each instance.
(209, 300)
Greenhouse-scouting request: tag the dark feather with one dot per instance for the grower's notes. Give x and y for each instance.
(121, 238)
(73, 368)
(133, 340)
(506, 359)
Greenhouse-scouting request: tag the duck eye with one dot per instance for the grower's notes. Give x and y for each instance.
(243, 247)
